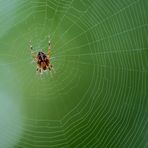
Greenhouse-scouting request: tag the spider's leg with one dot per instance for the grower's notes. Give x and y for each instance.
(30, 44)
(49, 47)
(53, 69)
(49, 67)
(32, 52)
(41, 71)
(37, 70)
(51, 74)
(33, 55)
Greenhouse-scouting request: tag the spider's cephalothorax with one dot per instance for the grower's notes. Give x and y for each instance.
(42, 60)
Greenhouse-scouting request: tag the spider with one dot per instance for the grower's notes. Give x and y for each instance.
(42, 59)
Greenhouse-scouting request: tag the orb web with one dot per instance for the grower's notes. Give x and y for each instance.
(97, 94)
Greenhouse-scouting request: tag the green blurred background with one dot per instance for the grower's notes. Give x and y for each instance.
(96, 96)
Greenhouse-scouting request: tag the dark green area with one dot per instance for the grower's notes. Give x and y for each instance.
(96, 96)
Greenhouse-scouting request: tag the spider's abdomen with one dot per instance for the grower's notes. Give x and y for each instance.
(42, 60)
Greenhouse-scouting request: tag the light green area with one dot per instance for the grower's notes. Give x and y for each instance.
(96, 95)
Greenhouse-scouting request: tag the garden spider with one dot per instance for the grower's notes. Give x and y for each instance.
(42, 60)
